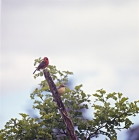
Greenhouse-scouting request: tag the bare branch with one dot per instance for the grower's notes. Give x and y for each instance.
(57, 98)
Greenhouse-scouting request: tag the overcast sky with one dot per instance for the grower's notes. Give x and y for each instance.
(97, 40)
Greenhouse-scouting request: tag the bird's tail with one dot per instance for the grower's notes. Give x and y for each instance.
(34, 71)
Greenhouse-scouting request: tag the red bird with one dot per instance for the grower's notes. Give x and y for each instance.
(43, 64)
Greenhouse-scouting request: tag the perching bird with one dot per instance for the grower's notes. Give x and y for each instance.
(61, 89)
(43, 64)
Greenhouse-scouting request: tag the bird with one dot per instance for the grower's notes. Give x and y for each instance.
(61, 89)
(43, 64)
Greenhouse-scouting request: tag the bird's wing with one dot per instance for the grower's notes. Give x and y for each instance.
(41, 65)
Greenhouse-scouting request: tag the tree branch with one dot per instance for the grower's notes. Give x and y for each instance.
(57, 98)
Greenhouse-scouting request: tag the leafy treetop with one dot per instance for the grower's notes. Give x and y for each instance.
(111, 113)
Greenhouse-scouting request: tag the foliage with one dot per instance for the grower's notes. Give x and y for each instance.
(111, 113)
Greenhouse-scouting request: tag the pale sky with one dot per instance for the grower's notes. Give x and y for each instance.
(97, 40)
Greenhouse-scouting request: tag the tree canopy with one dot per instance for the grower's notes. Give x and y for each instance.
(111, 113)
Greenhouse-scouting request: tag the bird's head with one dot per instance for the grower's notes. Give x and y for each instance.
(45, 59)
(62, 85)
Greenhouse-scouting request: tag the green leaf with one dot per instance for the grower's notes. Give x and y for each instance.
(120, 95)
(78, 87)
